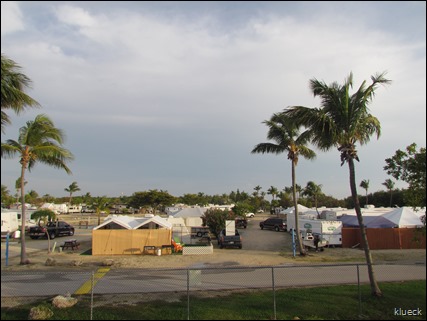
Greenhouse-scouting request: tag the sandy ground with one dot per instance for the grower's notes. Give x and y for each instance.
(260, 248)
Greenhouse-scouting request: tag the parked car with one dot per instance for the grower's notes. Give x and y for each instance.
(241, 222)
(277, 224)
(250, 214)
(55, 228)
(229, 240)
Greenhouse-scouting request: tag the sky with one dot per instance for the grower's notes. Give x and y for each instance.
(173, 95)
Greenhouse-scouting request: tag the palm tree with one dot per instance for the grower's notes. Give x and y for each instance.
(18, 188)
(100, 203)
(288, 139)
(389, 184)
(72, 189)
(313, 190)
(257, 189)
(39, 142)
(273, 191)
(342, 121)
(12, 85)
(365, 185)
(44, 215)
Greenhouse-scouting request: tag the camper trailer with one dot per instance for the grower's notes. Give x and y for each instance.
(9, 223)
(74, 209)
(330, 230)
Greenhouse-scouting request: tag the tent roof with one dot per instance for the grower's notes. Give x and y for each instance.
(189, 212)
(155, 219)
(291, 210)
(403, 217)
(371, 221)
(132, 223)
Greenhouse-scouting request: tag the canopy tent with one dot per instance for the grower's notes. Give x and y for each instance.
(131, 223)
(291, 210)
(403, 217)
(368, 221)
(189, 212)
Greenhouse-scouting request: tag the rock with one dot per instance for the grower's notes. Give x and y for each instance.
(76, 262)
(108, 262)
(62, 302)
(40, 312)
(50, 262)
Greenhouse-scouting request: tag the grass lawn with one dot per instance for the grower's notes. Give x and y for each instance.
(319, 303)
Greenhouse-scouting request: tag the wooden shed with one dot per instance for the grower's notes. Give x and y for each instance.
(119, 235)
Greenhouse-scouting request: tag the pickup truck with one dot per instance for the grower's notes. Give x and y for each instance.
(229, 240)
(56, 228)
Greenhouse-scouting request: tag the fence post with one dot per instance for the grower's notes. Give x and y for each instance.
(188, 294)
(358, 290)
(91, 295)
(7, 248)
(274, 293)
(294, 246)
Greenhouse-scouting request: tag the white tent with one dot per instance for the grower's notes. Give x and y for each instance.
(189, 212)
(131, 223)
(403, 217)
(291, 210)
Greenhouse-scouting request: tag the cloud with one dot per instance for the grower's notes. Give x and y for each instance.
(11, 18)
(154, 98)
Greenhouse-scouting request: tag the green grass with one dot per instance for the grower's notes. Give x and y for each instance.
(319, 303)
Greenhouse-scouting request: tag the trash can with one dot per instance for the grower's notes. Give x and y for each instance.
(158, 251)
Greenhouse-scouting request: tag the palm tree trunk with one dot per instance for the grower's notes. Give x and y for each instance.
(391, 198)
(24, 258)
(294, 194)
(375, 290)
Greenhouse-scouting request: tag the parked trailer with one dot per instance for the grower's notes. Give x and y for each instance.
(9, 223)
(330, 230)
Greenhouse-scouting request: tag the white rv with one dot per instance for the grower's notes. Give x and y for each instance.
(74, 209)
(330, 230)
(9, 223)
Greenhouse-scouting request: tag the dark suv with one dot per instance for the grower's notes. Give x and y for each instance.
(241, 222)
(277, 224)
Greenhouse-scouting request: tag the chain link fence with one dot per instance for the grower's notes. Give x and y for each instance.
(183, 287)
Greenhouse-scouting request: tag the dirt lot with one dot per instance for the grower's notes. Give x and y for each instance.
(260, 248)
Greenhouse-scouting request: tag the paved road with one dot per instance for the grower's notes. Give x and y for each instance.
(147, 281)
(201, 278)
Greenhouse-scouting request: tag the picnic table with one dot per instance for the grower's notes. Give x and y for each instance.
(70, 244)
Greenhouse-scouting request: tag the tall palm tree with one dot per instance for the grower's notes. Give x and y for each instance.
(288, 139)
(18, 188)
(72, 189)
(313, 190)
(100, 203)
(257, 189)
(342, 121)
(39, 142)
(389, 184)
(365, 185)
(13, 83)
(272, 191)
